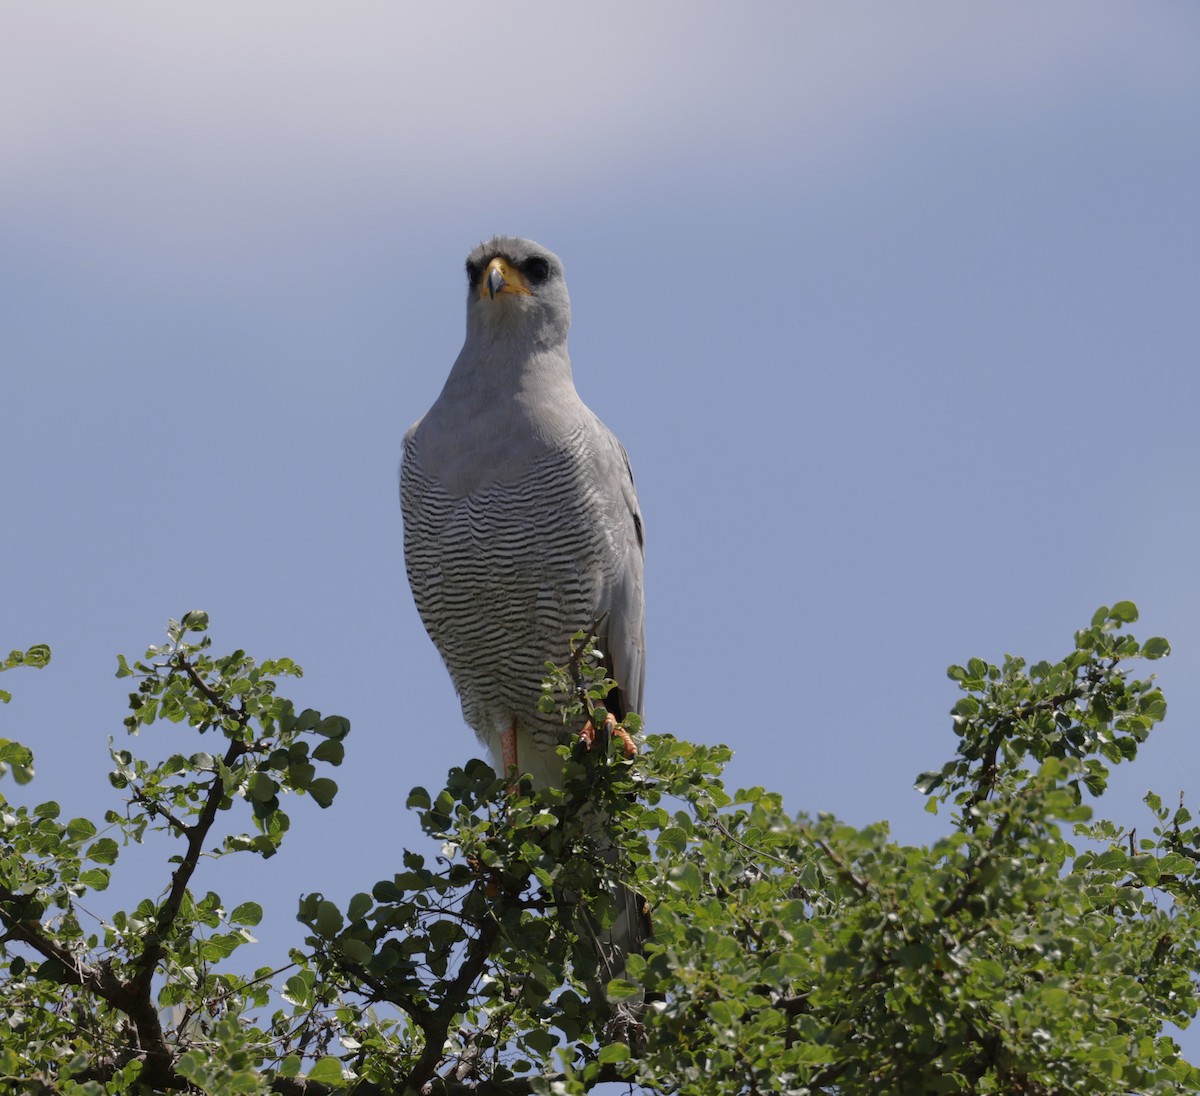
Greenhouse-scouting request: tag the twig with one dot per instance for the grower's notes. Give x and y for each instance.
(161, 812)
(576, 659)
(210, 694)
(715, 823)
(843, 869)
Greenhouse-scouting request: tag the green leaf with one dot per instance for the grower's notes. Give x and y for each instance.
(357, 951)
(1124, 611)
(334, 726)
(300, 775)
(13, 753)
(326, 1071)
(927, 781)
(103, 851)
(307, 720)
(1156, 647)
(330, 751)
(686, 877)
(1146, 868)
(541, 1042)
(95, 878)
(614, 1052)
(80, 829)
(329, 919)
(248, 913)
(195, 621)
(673, 839)
(261, 788)
(323, 790)
(298, 989)
(620, 990)
(1174, 864)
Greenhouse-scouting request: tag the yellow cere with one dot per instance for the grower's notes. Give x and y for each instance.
(514, 281)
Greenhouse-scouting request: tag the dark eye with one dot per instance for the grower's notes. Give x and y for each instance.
(474, 270)
(536, 270)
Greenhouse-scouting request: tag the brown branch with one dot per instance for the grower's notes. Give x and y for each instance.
(197, 833)
(576, 658)
(441, 1086)
(210, 694)
(971, 882)
(138, 1003)
(715, 823)
(126, 997)
(156, 811)
(987, 777)
(843, 869)
(29, 931)
(435, 1024)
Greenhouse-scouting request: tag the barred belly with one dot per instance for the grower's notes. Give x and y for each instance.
(502, 579)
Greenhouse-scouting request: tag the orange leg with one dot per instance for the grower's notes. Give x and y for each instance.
(508, 754)
(588, 735)
(508, 747)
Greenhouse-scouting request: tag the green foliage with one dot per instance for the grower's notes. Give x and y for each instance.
(87, 1005)
(15, 758)
(37, 656)
(1034, 948)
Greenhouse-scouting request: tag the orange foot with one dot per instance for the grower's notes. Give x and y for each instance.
(588, 735)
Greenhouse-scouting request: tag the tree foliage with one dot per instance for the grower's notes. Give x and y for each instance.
(1035, 948)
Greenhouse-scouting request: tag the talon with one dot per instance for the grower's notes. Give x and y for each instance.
(490, 878)
(587, 736)
(628, 746)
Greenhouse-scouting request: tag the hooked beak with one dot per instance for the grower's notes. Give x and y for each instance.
(502, 277)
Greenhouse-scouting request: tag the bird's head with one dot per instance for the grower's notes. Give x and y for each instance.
(516, 289)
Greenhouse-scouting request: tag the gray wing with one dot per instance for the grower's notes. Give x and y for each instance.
(623, 634)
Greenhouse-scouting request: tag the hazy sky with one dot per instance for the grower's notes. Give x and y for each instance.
(893, 306)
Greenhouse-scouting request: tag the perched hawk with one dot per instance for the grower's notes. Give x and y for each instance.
(521, 528)
(521, 524)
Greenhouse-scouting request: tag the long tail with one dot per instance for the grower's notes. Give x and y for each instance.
(612, 947)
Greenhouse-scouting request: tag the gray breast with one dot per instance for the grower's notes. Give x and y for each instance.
(503, 577)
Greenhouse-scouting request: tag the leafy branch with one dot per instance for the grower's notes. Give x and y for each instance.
(789, 953)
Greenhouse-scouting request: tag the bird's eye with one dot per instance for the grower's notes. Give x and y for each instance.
(536, 270)
(474, 270)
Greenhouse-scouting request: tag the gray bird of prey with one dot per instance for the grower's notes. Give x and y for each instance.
(521, 528)
(521, 523)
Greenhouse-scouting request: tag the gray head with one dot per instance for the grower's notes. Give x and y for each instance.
(516, 290)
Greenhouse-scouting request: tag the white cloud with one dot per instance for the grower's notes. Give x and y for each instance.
(152, 122)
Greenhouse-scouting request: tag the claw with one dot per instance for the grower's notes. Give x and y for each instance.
(628, 746)
(587, 736)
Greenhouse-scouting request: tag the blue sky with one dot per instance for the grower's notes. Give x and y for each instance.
(894, 308)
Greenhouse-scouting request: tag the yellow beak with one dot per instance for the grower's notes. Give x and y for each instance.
(501, 277)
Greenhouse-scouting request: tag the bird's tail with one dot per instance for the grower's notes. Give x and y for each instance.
(612, 945)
